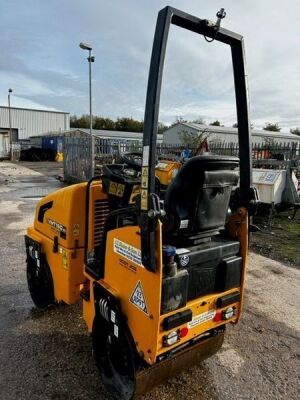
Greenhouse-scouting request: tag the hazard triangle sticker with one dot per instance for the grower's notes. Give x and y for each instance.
(138, 298)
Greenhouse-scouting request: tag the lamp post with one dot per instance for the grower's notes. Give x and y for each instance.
(91, 59)
(9, 119)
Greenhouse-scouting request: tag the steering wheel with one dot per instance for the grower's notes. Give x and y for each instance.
(133, 159)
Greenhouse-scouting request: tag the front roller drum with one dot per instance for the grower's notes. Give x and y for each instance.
(39, 277)
(40, 284)
(122, 372)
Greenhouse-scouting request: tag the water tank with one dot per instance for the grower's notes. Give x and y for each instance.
(270, 184)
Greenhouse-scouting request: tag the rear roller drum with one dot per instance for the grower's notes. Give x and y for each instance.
(40, 284)
(116, 360)
(124, 373)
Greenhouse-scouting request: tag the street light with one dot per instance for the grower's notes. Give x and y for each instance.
(85, 46)
(91, 59)
(9, 119)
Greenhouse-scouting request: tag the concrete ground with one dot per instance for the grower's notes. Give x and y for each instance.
(48, 355)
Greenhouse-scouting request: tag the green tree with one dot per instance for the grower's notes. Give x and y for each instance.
(270, 126)
(295, 131)
(121, 124)
(82, 122)
(129, 125)
(161, 127)
(73, 121)
(215, 123)
(192, 139)
(199, 121)
(104, 123)
(269, 142)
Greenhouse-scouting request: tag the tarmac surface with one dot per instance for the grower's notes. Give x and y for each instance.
(48, 355)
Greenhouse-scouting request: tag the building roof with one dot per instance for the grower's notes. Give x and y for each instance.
(106, 134)
(34, 109)
(254, 132)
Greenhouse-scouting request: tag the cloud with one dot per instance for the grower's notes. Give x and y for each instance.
(42, 62)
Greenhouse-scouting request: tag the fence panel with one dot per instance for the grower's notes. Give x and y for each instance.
(78, 153)
(77, 158)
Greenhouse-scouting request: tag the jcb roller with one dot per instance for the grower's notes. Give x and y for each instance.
(159, 279)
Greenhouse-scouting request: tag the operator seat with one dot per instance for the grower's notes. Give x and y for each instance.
(197, 200)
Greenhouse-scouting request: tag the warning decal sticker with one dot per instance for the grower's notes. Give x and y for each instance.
(138, 299)
(199, 319)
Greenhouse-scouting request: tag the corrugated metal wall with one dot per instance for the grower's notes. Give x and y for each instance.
(34, 122)
(171, 135)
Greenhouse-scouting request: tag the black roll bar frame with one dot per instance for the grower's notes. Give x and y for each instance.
(148, 209)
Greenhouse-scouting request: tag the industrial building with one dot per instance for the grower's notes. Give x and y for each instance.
(28, 122)
(221, 134)
(110, 137)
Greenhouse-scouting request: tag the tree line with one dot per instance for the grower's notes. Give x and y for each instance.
(124, 124)
(129, 124)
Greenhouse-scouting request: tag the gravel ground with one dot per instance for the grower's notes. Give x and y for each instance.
(47, 355)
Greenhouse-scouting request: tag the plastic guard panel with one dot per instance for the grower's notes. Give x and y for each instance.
(207, 284)
(212, 267)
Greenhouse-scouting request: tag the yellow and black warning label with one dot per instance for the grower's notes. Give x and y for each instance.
(135, 191)
(144, 181)
(65, 259)
(120, 190)
(144, 199)
(76, 230)
(138, 299)
(116, 189)
(145, 171)
(112, 187)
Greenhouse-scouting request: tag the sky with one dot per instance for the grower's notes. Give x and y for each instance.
(41, 61)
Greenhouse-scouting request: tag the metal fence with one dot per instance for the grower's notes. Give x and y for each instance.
(77, 158)
(78, 153)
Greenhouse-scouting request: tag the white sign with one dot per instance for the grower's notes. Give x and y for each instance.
(199, 319)
(184, 223)
(145, 162)
(182, 251)
(128, 251)
(138, 299)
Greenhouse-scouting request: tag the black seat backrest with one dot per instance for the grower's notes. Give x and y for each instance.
(197, 200)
